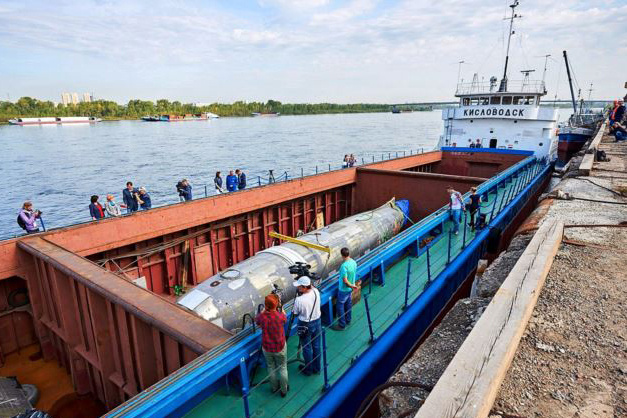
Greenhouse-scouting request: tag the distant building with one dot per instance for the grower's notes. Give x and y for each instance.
(87, 98)
(202, 104)
(66, 99)
(75, 98)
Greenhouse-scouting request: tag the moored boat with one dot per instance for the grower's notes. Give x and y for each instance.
(265, 114)
(54, 120)
(177, 118)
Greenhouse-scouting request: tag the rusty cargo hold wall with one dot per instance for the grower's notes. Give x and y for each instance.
(114, 338)
(188, 257)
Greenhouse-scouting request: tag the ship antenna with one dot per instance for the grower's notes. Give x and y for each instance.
(503, 86)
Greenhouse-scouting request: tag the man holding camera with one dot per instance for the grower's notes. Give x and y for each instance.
(344, 305)
(307, 308)
(272, 322)
(27, 218)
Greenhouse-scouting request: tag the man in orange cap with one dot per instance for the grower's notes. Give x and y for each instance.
(273, 344)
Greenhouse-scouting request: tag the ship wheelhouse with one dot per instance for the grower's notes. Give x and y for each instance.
(506, 117)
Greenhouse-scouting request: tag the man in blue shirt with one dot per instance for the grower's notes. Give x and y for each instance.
(346, 285)
(231, 182)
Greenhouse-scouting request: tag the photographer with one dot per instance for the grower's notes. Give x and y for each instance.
(27, 218)
(307, 308)
(272, 323)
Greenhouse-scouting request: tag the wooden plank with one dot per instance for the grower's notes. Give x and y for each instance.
(585, 167)
(471, 381)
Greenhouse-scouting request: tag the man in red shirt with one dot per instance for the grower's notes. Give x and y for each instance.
(272, 323)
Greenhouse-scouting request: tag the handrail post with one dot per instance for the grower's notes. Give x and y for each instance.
(428, 264)
(324, 360)
(369, 318)
(465, 224)
(382, 274)
(205, 190)
(329, 167)
(259, 180)
(373, 158)
(389, 155)
(407, 282)
(302, 172)
(496, 199)
(396, 154)
(450, 234)
(370, 282)
(316, 169)
(245, 385)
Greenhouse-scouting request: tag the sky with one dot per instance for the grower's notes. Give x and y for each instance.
(345, 51)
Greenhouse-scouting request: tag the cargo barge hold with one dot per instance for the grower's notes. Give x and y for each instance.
(102, 294)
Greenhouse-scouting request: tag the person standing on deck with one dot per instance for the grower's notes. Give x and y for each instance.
(129, 197)
(27, 218)
(231, 182)
(143, 198)
(473, 207)
(241, 179)
(217, 181)
(96, 211)
(272, 323)
(185, 190)
(346, 285)
(307, 308)
(456, 205)
(112, 208)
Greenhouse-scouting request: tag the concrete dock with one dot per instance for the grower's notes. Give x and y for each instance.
(545, 332)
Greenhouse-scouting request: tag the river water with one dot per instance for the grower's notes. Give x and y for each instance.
(60, 167)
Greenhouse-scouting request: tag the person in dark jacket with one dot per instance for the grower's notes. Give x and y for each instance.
(241, 179)
(217, 181)
(144, 199)
(96, 211)
(129, 196)
(473, 206)
(185, 190)
(231, 182)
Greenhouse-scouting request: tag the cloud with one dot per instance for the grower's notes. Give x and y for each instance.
(354, 49)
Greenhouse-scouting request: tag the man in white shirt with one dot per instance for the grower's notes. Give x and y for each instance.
(456, 206)
(307, 309)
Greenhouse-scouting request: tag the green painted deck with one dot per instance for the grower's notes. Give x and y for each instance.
(386, 302)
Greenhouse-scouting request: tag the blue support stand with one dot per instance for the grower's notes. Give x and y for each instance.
(324, 360)
(407, 282)
(369, 319)
(245, 385)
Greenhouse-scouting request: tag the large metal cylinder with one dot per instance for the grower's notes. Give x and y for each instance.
(226, 297)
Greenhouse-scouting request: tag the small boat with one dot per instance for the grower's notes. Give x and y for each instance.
(54, 120)
(266, 114)
(176, 118)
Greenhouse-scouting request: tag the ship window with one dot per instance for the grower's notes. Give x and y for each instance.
(465, 101)
(518, 100)
(484, 101)
(540, 144)
(507, 100)
(474, 102)
(495, 100)
(529, 100)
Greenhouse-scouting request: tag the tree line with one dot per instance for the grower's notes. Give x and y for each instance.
(106, 109)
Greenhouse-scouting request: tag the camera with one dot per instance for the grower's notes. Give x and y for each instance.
(301, 269)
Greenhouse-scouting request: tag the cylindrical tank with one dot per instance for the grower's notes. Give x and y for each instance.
(226, 297)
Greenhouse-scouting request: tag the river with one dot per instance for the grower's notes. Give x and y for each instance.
(59, 167)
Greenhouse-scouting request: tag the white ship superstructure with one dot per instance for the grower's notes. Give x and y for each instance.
(506, 116)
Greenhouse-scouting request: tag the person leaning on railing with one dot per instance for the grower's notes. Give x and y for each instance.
(272, 322)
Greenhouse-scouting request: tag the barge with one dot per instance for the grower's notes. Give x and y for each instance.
(54, 120)
(177, 118)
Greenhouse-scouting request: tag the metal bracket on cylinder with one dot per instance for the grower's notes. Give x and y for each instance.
(307, 244)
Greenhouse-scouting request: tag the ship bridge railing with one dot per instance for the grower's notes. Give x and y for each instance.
(513, 87)
(414, 262)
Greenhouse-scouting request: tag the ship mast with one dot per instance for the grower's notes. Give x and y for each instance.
(503, 86)
(570, 84)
